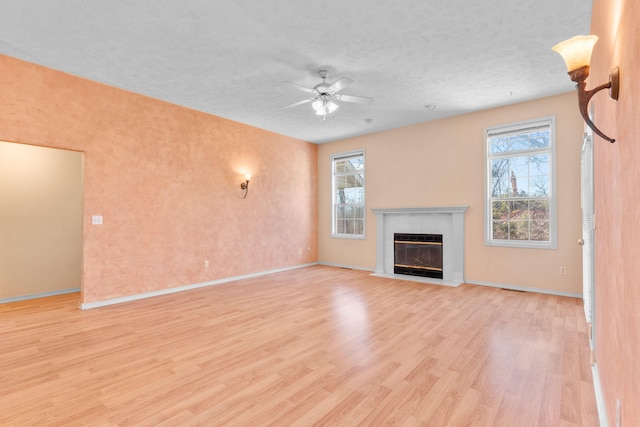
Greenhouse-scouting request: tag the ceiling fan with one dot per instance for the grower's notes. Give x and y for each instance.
(325, 96)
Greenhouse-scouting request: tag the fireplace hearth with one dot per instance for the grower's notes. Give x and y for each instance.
(418, 255)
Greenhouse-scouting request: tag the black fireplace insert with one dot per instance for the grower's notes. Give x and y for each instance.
(418, 255)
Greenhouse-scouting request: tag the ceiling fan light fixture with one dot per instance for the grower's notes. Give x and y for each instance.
(319, 107)
(325, 98)
(323, 106)
(331, 106)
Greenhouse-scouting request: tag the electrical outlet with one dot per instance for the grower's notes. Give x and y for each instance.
(563, 270)
(205, 264)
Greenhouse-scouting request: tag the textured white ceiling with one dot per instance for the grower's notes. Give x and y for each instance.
(229, 58)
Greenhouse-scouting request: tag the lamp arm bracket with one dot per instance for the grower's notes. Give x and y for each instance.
(245, 186)
(584, 96)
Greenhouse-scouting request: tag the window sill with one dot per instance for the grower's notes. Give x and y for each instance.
(349, 236)
(522, 245)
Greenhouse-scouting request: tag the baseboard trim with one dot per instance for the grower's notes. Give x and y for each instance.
(40, 295)
(350, 267)
(524, 289)
(597, 386)
(103, 303)
(427, 280)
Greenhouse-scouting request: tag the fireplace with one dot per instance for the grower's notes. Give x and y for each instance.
(418, 254)
(447, 221)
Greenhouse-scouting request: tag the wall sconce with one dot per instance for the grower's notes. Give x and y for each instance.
(245, 184)
(576, 53)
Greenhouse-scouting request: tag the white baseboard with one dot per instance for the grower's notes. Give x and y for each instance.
(96, 304)
(524, 289)
(40, 295)
(350, 267)
(597, 386)
(428, 280)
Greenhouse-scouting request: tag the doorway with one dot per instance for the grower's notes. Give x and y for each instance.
(41, 221)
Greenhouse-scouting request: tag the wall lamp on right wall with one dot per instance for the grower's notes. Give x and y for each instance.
(576, 53)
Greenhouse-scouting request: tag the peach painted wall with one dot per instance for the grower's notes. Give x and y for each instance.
(166, 180)
(40, 220)
(617, 207)
(442, 163)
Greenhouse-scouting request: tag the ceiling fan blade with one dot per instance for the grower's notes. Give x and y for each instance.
(355, 99)
(295, 104)
(302, 88)
(340, 84)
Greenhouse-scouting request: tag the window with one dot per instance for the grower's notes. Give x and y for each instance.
(348, 195)
(520, 185)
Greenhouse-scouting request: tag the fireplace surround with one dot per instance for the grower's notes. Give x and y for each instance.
(445, 220)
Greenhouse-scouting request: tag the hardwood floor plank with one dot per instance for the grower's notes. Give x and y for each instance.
(314, 346)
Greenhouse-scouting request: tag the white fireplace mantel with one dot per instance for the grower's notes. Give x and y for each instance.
(445, 220)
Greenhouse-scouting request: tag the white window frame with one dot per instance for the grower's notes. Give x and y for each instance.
(553, 217)
(334, 232)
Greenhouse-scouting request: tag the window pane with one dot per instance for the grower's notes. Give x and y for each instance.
(501, 230)
(519, 210)
(519, 166)
(349, 165)
(540, 230)
(539, 164)
(498, 145)
(348, 212)
(500, 210)
(539, 186)
(353, 196)
(519, 230)
(500, 188)
(540, 139)
(519, 186)
(499, 168)
(540, 209)
(518, 142)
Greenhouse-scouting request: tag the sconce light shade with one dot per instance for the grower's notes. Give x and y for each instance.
(576, 51)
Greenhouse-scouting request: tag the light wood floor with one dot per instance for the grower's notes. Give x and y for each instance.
(316, 346)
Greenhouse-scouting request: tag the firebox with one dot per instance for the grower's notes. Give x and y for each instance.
(418, 255)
